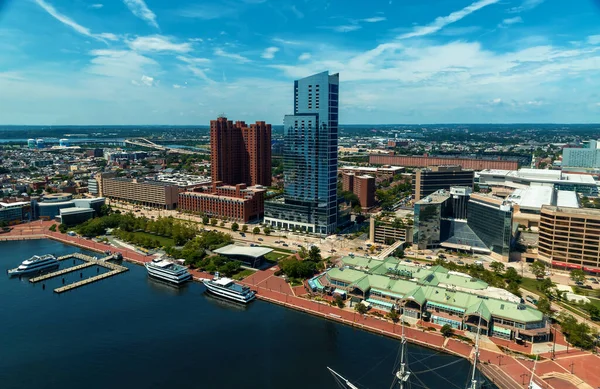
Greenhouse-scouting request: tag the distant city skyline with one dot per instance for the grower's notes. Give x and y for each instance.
(153, 62)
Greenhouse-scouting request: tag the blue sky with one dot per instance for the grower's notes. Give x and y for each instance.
(400, 61)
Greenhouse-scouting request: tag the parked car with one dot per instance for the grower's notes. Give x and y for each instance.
(360, 247)
(460, 263)
(285, 245)
(260, 239)
(429, 257)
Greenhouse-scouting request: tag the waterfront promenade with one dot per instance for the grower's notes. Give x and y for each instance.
(568, 370)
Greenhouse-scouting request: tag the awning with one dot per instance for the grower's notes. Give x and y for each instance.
(438, 305)
(383, 292)
(592, 269)
(567, 265)
(501, 330)
(339, 291)
(381, 303)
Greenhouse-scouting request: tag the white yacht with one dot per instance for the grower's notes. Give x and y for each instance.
(35, 264)
(227, 288)
(168, 271)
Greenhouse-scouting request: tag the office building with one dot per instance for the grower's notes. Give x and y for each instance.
(434, 178)
(424, 161)
(148, 193)
(505, 181)
(436, 295)
(582, 159)
(13, 213)
(528, 202)
(570, 238)
(51, 205)
(490, 219)
(310, 199)
(362, 186)
(439, 221)
(240, 153)
(40, 144)
(383, 172)
(388, 231)
(237, 203)
(73, 216)
(31, 143)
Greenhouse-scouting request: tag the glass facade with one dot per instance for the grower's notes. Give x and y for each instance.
(310, 153)
(492, 223)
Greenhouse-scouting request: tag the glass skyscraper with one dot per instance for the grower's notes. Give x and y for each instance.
(310, 200)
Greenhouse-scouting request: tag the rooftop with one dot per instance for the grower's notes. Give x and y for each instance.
(75, 210)
(254, 252)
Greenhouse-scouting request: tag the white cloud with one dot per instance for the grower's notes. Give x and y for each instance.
(297, 12)
(67, 21)
(269, 52)
(442, 21)
(374, 19)
(304, 57)
(96, 6)
(141, 10)
(208, 11)
(237, 57)
(346, 28)
(510, 21)
(526, 5)
(158, 43)
(193, 60)
(593, 39)
(177, 86)
(288, 42)
(108, 36)
(144, 81)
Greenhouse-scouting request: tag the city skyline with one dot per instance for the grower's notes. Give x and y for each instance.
(152, 62)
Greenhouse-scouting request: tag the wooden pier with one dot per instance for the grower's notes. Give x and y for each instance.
(88, 262)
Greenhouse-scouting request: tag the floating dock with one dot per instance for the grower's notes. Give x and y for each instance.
(88, 262)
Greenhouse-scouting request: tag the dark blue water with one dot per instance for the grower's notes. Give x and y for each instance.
(132, 332)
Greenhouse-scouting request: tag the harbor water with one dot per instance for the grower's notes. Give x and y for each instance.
(129, 331)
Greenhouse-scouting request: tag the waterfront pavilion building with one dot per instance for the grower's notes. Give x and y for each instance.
(438, 295)
(310, 200)
(251, 256)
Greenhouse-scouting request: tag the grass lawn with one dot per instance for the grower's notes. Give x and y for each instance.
(595, 302)
(243, 274)
(530, 284)
(164, 241)
(280, 249)
(275, 257)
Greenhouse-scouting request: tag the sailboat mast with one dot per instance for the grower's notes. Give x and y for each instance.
(476, 357)
(348, 383)
(402, 374)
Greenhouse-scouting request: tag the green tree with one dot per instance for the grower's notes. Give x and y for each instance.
(497, 267)
(267, 230)
(543, 305)
(538, 268)
(314, 254)
(546, 285)
(511, 274)
(52, 228)
(244, 228)
(447, 330)
(360, 308)
(222, 224)
(256, 230)
(213, 222)
(235, 227)
(303, 252)
(62, 228)
(205, 220)
(339, 302)
(394, 316)
(577, 275)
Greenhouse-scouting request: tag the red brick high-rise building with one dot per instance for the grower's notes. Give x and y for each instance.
(240, 153)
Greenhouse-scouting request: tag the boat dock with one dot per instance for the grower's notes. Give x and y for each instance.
(88, 262)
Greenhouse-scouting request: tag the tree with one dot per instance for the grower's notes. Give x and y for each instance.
(303, 252)
(339, 302)
(399, 253)
(222, 224)
(244, 228)
(267, 230)
(357, 209)
(62, 228)
(538, 268)
(235, 227)
(314, 254)
(205, 220)
(546, 285)
(52, 228)
(447, 330)
(394, 316)
(497, 267)
(577, 275)
(543, 305)
(512, 275)
(213, 222)
(360, 308)
(256, 230)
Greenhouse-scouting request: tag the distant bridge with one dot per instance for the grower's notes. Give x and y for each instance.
(143, 142)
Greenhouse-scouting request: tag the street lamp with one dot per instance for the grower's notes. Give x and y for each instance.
(500, 357)
(523, 377)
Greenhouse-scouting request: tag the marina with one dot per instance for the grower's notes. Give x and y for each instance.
(88, 261)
